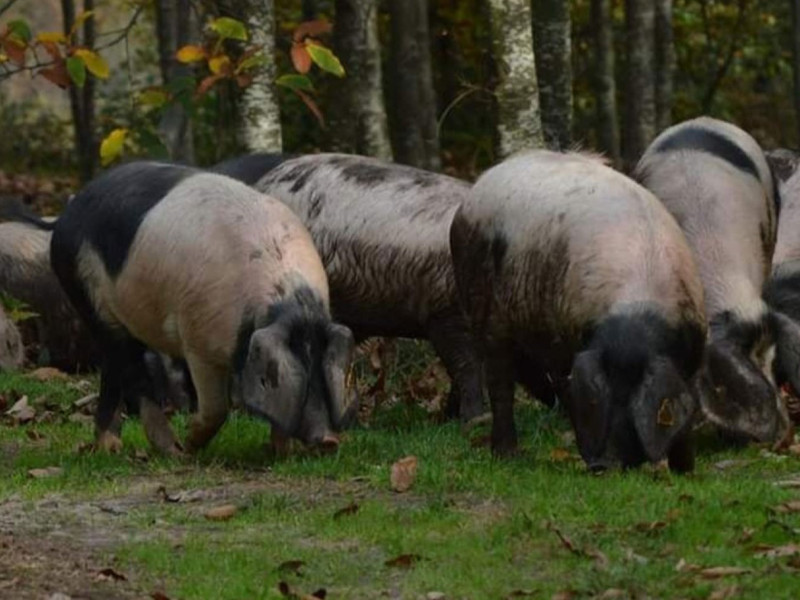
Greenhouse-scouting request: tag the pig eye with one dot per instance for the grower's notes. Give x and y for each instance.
(264, 382)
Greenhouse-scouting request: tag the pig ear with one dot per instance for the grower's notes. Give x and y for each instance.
(273, 381)
(337, 363)
(662, 408)
(589, 404)
(743, 402)
(786, 334)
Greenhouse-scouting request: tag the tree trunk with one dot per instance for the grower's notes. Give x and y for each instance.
(174, 22)
(357, 113)
(427, 93)
(665, 63)
(516, 93)
(416, 132)
(640, 102)
(81, 100)
(261, 119)
(553, 47)
(796, 62)
(605, 86)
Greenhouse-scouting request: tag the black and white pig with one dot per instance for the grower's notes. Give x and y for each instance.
(11, 351)
(714, 179)
(382, 232)
(201, 267)
(56, 332)
(571, 265)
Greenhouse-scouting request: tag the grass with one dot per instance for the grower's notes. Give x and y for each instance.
(538, 524)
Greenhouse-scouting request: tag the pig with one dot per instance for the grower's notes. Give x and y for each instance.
(249, 168)
(568, 269)
(56, 333)
(382, 232)
(782, 291)
(11, 352)
(714, 179)
(203, 268)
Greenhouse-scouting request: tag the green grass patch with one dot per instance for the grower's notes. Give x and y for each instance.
(481, 528)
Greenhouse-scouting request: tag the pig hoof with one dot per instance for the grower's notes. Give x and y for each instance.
(108, 442)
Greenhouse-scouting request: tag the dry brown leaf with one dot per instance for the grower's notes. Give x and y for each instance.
(404, 472)
(792, 506)
(404, 561)
(48, 374)
(682, 566)
(34, 435)
(109, 574)
(652, 527)
(563, 595)
(221, 513)
(777, 551)
(291, 566)
(600, 560)
(724, 593)
(747, 535)
(561, 455)
(717, 572)
(22, 412)
(350, 509)
(45, 472)
(522, 593)
(159, 596)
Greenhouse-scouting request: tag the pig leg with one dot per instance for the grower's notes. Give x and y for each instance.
(211, 383)
(499, 364)
(453, 343)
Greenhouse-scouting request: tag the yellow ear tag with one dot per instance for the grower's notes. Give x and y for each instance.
(665, 417)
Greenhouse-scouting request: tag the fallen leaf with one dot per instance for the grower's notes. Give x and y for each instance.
(286, 590)
(600, 560)
(747, 535)
(404, 472)
(34, 435)
(435, 596)
(652, 527)
(522, 593)
(612, 593)
(45, 472)
(109, 574)
(85, 401)
(563, 595)
(58, 596)
(350, 509)
(221, 513)
(717, 572)
(404, 561)
(561, 455)
(48, 374)
(182, 496)
(631, 556)
(291, 566)
(788, 483)
(792, 506)
(724, 593)
(732, 462)
(778, 551)
(22, 412)
(682, 566)
(159, 596)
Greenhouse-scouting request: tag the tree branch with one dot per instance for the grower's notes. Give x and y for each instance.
(722, 71)
(6, 6)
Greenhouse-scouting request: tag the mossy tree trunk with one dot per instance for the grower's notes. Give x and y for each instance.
(640, 97)
(519, 124)
(665, 63)
(604, 80)
(357, 112)
(553, 47)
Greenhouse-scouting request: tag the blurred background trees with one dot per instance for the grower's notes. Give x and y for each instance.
(450, 85)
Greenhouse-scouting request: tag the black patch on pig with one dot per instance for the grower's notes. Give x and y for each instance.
(368, 174)
(629, 341)
(709, 142)
(250, 168)
(782, 293)
(315, 203)
(726, 326)
(108, 211)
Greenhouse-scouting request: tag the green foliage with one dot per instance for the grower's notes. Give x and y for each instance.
(16, 310)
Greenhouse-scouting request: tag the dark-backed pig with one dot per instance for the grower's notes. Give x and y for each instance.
(11, 351)
(201, 267)
(382, 232)
(56, 336)
(249, 168)
(713, 178)
(563, 261)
